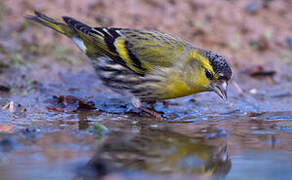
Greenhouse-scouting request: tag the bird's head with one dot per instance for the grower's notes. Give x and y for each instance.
(214, 72)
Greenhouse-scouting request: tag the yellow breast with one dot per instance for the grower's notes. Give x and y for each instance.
(182, 85)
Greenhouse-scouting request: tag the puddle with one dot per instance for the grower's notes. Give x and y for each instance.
(261, 165)
(205, 138)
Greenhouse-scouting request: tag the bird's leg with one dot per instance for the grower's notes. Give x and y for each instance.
(151, 103)
(137, 103)
(152, 113)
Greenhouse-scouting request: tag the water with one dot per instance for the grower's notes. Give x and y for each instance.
(261, 165)
(247, 137)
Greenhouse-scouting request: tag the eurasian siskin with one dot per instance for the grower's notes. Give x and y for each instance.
(145, 65)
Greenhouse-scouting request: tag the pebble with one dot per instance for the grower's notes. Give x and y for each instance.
(253, 7)
(253, 91)
(289, 42)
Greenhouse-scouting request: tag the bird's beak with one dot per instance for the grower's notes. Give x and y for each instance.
(220, 88)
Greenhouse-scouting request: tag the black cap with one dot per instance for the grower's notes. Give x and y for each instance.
(219, 65)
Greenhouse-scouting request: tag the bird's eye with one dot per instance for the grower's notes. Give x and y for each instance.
(209, 75)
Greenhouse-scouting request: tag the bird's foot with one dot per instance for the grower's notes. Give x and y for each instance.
(137, 103)
(153, 113)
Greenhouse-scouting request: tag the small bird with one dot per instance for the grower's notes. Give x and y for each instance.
(145, 65)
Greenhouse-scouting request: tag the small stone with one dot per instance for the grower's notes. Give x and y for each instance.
(99, 130)
(260, 44)
(154, 126)
(253, 91)
(6, 145)
(253, 7)
(4, 88)
(289, 42)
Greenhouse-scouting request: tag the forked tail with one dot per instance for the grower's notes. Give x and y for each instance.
(51, 23)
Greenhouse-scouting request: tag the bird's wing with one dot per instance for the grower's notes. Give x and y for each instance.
(141, 51)
(145, 51)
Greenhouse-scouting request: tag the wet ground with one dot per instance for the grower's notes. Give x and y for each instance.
(58, 122)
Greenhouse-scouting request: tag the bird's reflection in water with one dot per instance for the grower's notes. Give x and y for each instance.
(158, 153)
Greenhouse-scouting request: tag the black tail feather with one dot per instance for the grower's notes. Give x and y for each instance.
(47, 21)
